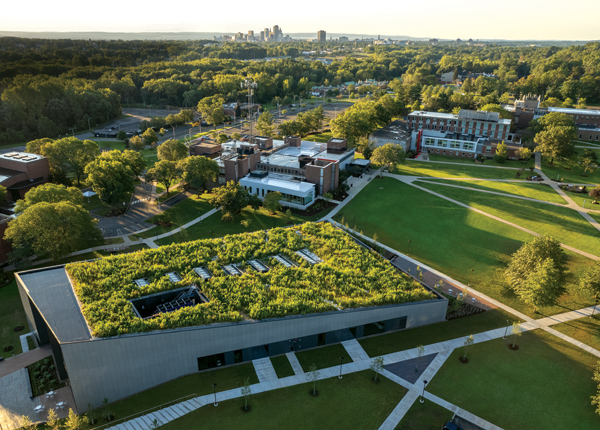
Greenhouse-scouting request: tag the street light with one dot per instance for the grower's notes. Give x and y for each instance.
(423, 394)
(211, 234)
(215, 391)
(506, 331)
(354, 218)
(89, 126)
(408, 247)
(341, 361)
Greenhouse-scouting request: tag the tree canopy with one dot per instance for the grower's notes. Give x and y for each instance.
(132, 159)
(172, 150)
(49, 193)
(271, 201)
(196, 171)
(164, 172)
(212, 109)
(53, 228)
(232, 198)
(111, 180)
(67, 155)
(388, 155)
(264, 124)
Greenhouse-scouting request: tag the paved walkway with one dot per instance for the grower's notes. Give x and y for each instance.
(264, 370)
(23, 360)
(296, 367)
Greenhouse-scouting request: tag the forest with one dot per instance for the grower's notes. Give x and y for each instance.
(52, 87)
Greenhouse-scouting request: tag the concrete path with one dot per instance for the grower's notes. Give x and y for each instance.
(23, 340)
(21, 361)
(354, 350)
(264, 370)
(296, 367)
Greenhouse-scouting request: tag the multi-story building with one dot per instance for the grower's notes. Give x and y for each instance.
(395, 132)
(466, 134)
(586, 120)
(321, 36)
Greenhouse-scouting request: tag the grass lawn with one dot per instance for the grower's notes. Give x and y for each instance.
(259, 220)
(353, 402)
(196, 383)
(586, 330)
(439, 170)
(425, 416)
(488, 162)
(533, 190)
(580, 198)
(282, 366)
(564, 224)
(180, 214)
(94, 203)
(572, 176)
(433, 333)
(546, 384)
(320, 137)
(111, 144)
(323, 357)
(450, 238)
(11, 316)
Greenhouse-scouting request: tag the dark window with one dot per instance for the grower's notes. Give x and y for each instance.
(238, 357)
(321, 339)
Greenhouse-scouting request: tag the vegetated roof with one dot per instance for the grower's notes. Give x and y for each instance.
(331, 272)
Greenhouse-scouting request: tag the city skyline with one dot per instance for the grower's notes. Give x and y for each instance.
(510, 20)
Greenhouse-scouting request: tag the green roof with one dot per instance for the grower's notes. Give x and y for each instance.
(335, 273)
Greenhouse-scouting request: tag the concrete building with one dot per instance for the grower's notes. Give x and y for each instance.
(586, 120)
(396, 132)
(21, 171)
(120, 366)
(321, 36)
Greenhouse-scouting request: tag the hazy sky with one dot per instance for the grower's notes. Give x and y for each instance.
(477, 19)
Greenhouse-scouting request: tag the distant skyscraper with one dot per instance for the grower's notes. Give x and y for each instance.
(262, 36)
(267, 34)
(275, 33)
(321, 36)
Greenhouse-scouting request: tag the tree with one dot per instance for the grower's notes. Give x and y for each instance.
(271, 201)
(388, 155)
(131, 159)
(523, 153)
(70, 155)
(52, 420)
(313, 376)
(264, 124)
(54, 228)
(501, 152)
(232, 198)
(50, 193)
(246, 391)
(74, 421)
(149, 137)
(497, 108)
(516, 331)
(196, 171)
(35, 146)
(26, 424)
(590, 280)
(468, 342)
(2, 192)
(555, 133)
(222, 138)
(595, 193)
(136, 143)
(121, 135)
(542, 286)
(112, 180)
(377, 367)
(172, 150)
(587, 164)
(596, 398)
(236, 136)
(164, 172)
(212, 109)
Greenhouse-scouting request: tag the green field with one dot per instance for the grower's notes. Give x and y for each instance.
(320, 137)
(196, 383)
(324, 357)
(568, 173)
(546, 384)
(353, 402)
(180, 214)
(488, 162)
(259, 220)
(425, 416)
(452, 239)
(564, 224)
(581, 198)
(586, 330)
(11, 316)
(433, 333)
(441, 170)
(531, 190)
(282, 366)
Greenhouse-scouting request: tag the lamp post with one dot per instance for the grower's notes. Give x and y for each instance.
(215, 392)
(354, 218)
(423, 393)
(211, 234)
(408, 247)
(506, 331)
(471, 278)
(341, 361)
(89, 126)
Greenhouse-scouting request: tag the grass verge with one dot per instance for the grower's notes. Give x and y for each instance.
(282, 366)
(425, 416)
(11, 316)
(545, 384)
(425, 168)
(323, 357)
(586, 330)
(365, 406)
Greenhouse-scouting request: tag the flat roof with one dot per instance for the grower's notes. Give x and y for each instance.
(279, 181)
(52, 293)
(574, 111)
(395, 130)
(465, 115)
(433, 114)
(21, 157)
